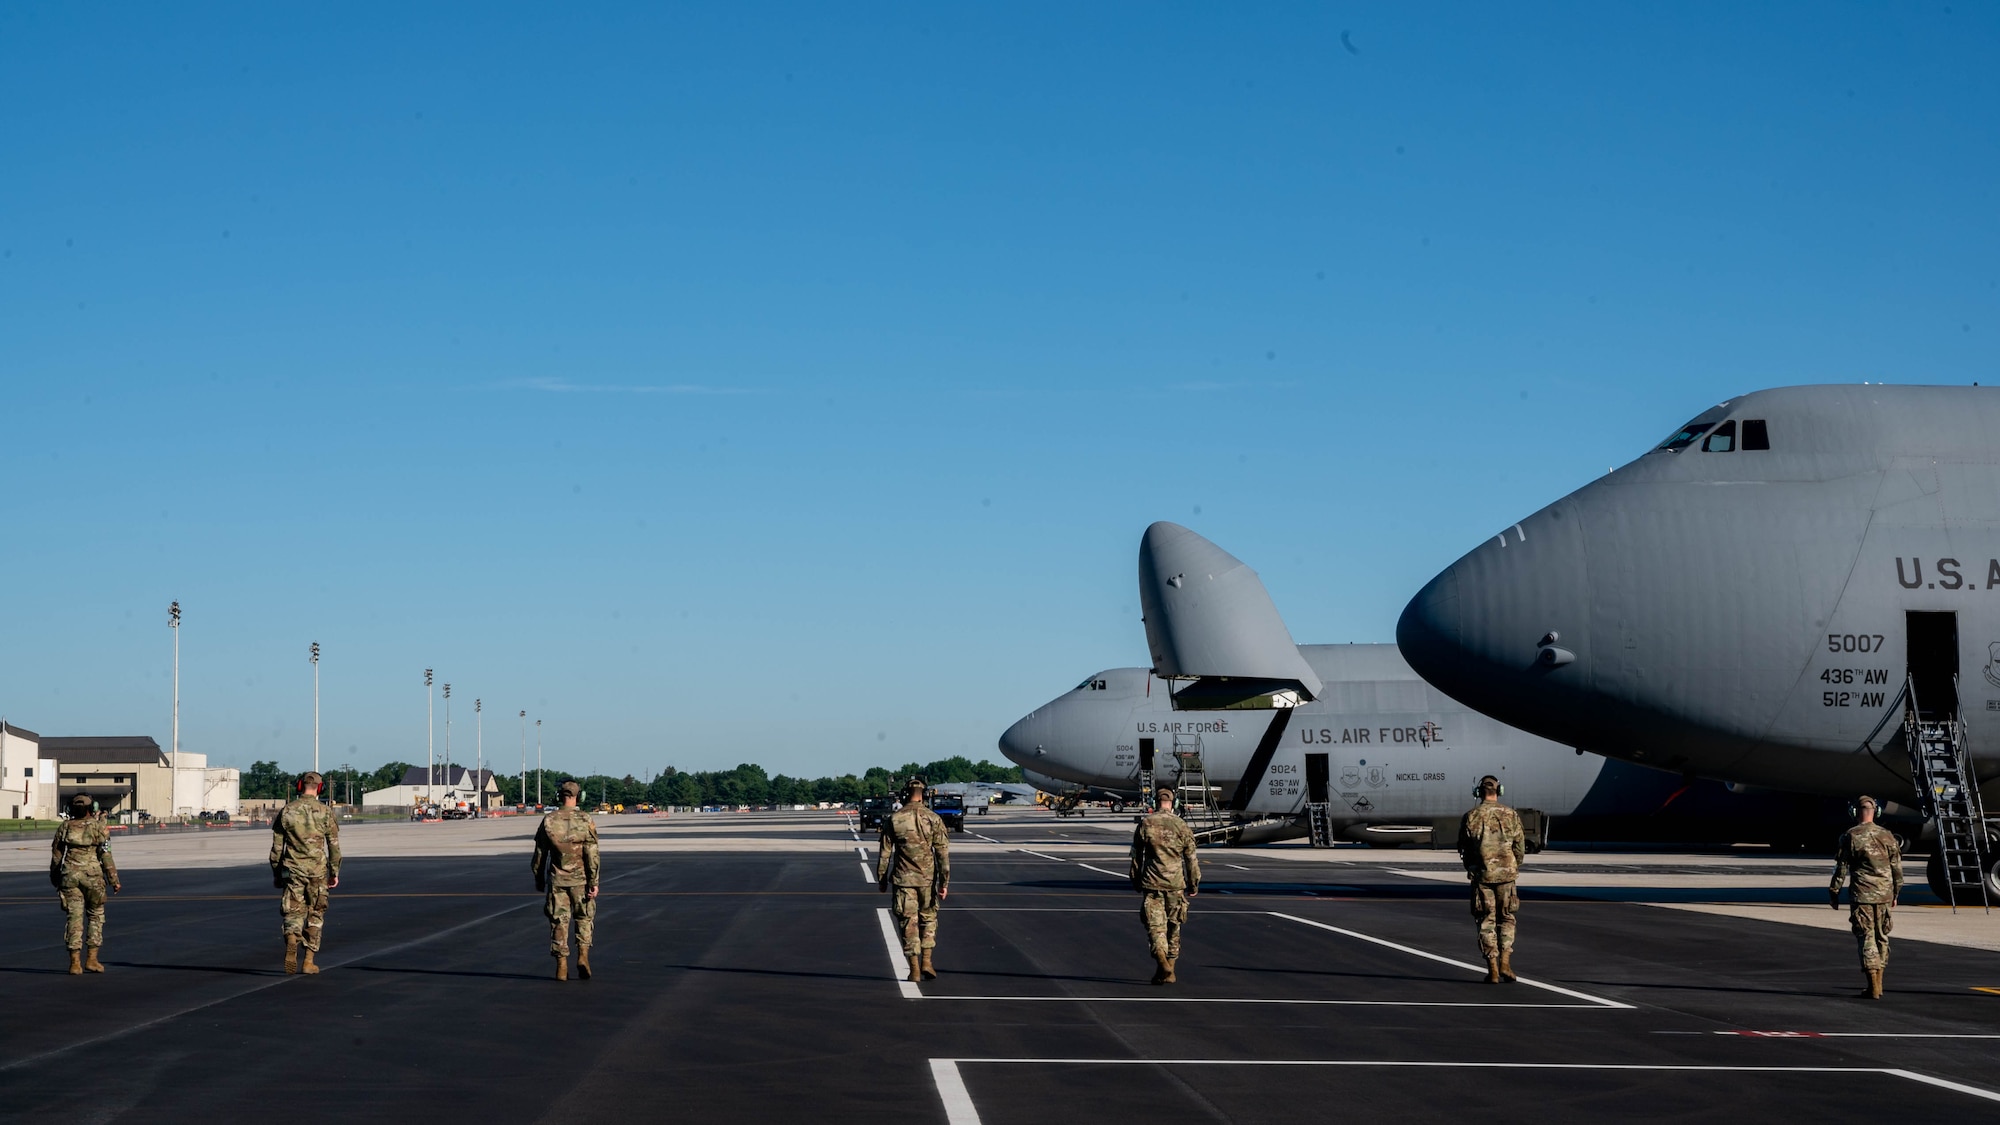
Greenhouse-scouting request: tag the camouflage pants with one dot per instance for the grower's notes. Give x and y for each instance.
(82, 900)
(915, 910)
(1495, 905)
(565, 904)
(1164, 913)
(303, 905)
(1871, 924)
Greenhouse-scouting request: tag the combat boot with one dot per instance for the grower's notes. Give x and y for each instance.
(929, 972)
(306, 965)
(1507, 965)
(1874, 984)
(1168, 967)
(1493, 968)
(1159, 968)
(916, 968)
(291, 953)
(583, 962)
(92, 965)
(562, 966)
(76, 962)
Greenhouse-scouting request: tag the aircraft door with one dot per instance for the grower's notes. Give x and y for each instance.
(1146, 756)
(1933, 663)
(1317, 773)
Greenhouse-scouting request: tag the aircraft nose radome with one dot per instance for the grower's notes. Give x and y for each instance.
(1021, 743)
(1428, 631)
(1481, 630)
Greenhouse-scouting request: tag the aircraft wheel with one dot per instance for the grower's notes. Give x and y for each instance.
(1966, 895)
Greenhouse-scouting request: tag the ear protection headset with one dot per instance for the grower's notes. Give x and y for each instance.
(1479, 790)
(1854, 806)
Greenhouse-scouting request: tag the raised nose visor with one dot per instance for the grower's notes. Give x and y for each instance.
(1209, 619)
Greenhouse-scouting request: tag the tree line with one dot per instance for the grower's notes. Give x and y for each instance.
(747, 784)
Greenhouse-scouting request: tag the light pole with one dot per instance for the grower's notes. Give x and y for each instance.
(315, 664)
(538, 761)
(447, 734)
(174, 790)
(430, 745)
(478, 755)
(524, 759)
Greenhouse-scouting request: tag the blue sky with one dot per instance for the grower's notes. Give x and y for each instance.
(788, 384)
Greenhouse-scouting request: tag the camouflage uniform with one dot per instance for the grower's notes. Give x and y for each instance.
(566, 864)
(1869, 855)
(914, 857)
(1492, 845)
(1165, 872)
(305, 856)
(80, 866)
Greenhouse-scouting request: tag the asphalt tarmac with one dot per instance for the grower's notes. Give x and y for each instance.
(759, 985)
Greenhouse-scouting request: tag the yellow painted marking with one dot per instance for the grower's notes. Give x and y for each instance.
(1994, 991)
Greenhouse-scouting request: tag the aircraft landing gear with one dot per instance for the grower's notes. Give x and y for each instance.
(1966, 895)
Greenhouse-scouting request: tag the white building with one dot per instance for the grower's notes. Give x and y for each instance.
(131, 773)
(27, 780)
(442, 785)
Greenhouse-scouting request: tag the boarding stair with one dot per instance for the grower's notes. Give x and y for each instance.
(1197, 799)
(1319, 823)
(1948, 794)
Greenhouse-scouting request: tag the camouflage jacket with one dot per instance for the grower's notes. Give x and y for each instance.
(1868, 853)
(82, 850)
(1491, 843)
(1163, 856)
(305, 840)
(566, 849)
(915, 849)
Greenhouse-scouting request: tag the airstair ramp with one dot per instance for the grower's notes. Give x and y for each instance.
(1948, 793)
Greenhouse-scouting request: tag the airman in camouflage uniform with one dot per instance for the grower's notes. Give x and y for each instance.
(305, 864)
(1869, 858)
(1492, 845)
(914, 858)
(1166, 874)
(80, 866)
(566, 866)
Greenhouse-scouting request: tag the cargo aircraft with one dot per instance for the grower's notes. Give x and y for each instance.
(1335, 741)
(1799, 589)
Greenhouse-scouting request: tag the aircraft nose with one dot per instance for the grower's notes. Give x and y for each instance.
(1504, 629)
(1023, 743)
(1427, 633)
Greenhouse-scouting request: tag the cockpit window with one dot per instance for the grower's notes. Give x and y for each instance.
(1092, 684)
(1686, 437)
(1755, 434)
(1723, 440)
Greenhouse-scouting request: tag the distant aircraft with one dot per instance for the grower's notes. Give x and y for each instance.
(988, 792)
(1798, 589)
(1349, 727)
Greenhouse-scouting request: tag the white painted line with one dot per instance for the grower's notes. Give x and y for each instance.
(1909, 1075)
(958, 1108)
(1039, 855)
(1449, 961)
(899, 965)
(1115, 875)
(988, 839)
(866, 872)
(1944, 1084)
(862, 852)
(1847, 1034)
(1237, 866)
(1267, 1002)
